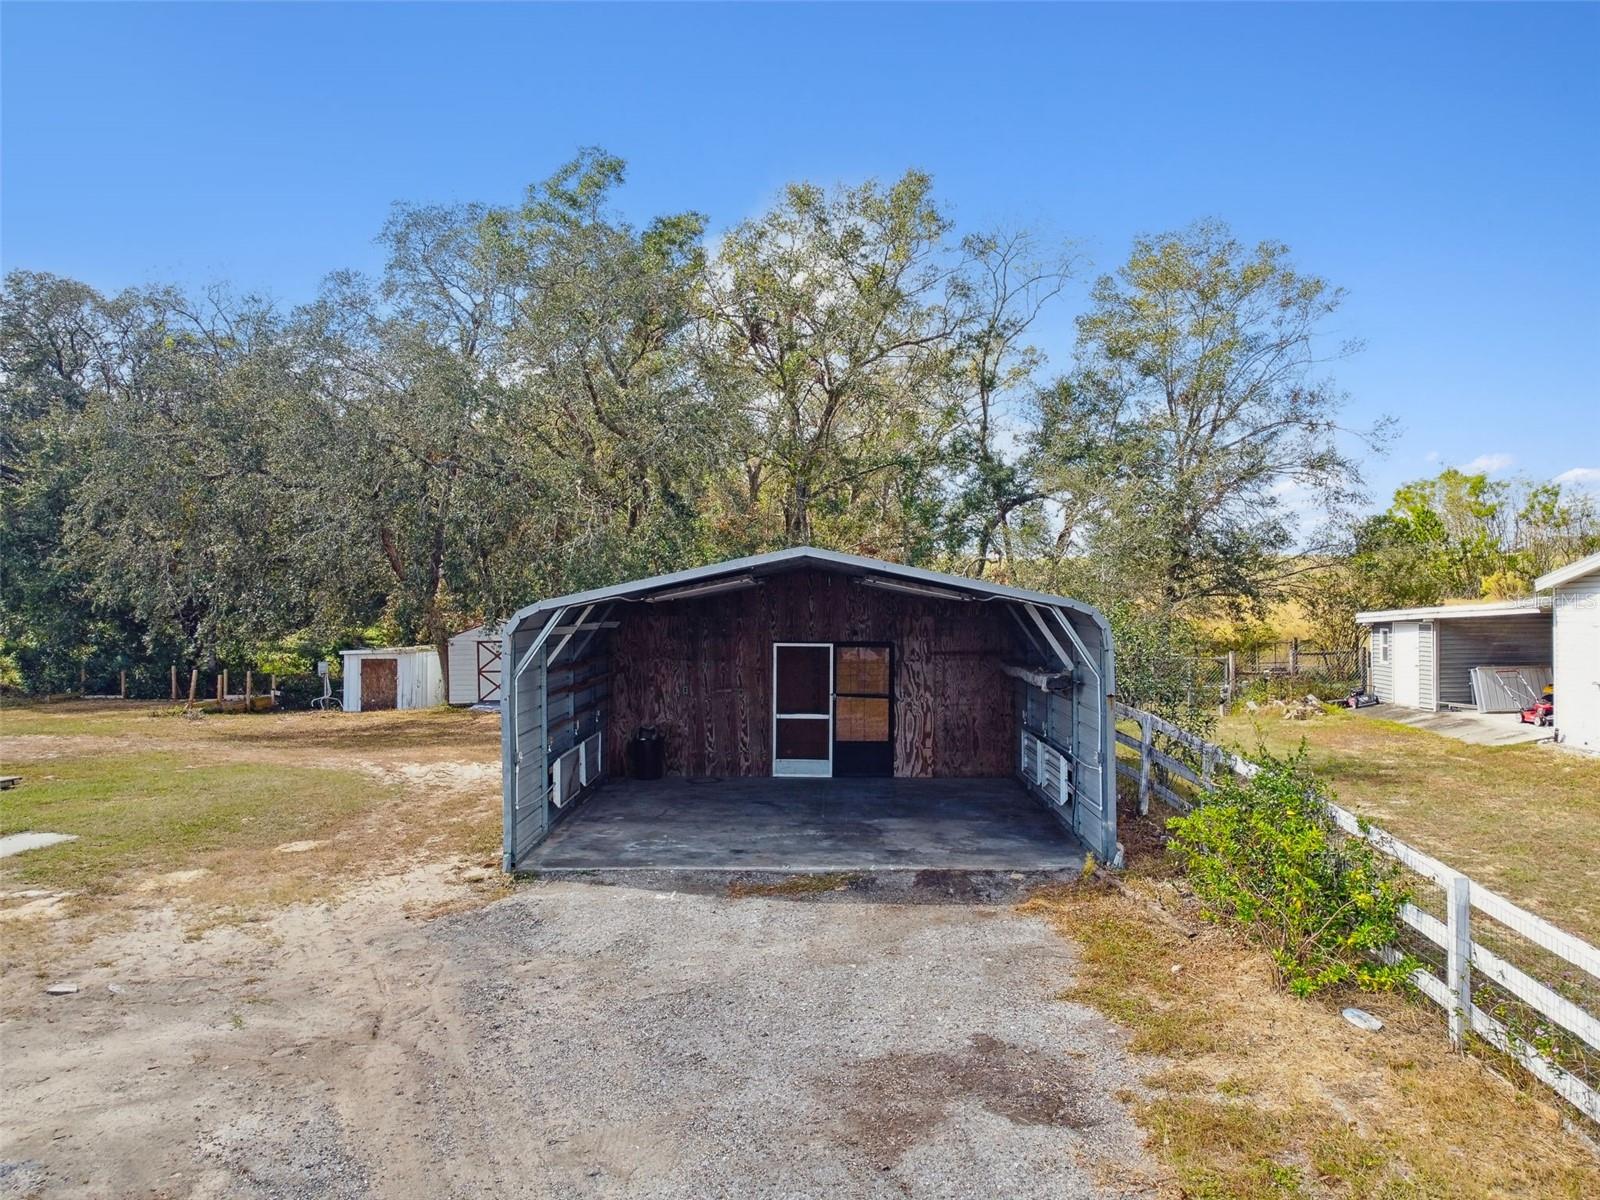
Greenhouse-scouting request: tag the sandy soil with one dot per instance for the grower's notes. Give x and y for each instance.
(574, 1038)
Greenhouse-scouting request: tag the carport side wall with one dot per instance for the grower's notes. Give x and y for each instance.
(1467, 642)
(701, 670)
(1068, 723)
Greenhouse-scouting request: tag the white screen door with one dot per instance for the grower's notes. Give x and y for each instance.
(802, 708)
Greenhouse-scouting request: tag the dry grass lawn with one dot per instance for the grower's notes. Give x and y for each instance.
(1269, 1096)
(234, 814)
(227, 818)
(1523, 820)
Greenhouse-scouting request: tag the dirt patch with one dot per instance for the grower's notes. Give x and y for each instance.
(794, 885)
(895, 1100)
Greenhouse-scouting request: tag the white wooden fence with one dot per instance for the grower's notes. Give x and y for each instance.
(1454, 935)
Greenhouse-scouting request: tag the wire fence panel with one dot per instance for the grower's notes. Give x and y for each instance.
(1520, 984)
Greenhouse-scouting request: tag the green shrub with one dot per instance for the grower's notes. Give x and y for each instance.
(1264, 854)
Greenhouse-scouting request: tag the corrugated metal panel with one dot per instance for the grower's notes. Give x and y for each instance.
(1508, 689)
(1487, 641)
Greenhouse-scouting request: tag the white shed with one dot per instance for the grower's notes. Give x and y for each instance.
(475, 666)
(1575, 590)
(395, 677)
(1425, 657)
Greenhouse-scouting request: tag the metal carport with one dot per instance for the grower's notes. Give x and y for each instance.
(560, 740)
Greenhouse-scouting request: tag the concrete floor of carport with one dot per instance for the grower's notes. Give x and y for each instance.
(810, 825)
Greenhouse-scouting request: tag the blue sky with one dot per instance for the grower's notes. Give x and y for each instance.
(1442, 163)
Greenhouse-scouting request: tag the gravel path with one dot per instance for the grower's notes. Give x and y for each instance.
(584, 1038)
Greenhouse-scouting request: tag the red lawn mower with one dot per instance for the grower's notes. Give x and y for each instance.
(1541, 709)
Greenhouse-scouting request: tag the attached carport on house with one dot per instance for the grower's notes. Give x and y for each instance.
(1424, 657)
(817, 711)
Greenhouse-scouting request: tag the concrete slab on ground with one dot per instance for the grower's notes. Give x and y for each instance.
(16, 843)
(811, 825)
(1474, 728)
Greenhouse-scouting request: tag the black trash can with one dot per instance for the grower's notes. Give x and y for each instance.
(647, 753)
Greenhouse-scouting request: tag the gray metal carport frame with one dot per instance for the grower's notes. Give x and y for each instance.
(1066, 758)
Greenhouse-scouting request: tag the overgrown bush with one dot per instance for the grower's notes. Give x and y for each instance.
(1161, 668)
(1264, 854)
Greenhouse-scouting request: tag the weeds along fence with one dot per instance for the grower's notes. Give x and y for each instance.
(1504, 977)
(1282, 670)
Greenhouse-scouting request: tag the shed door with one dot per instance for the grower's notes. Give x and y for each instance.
(1407, 664)
(802, 708)
(380, 682)
(488, 677)
(863, 708)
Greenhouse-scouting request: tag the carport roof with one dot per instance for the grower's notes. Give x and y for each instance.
(796, 557)
(1531, 606)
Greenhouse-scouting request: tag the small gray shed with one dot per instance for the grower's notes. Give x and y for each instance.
(798, 690)
(1424, 657)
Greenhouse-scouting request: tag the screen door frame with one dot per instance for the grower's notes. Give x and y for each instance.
(805, 768)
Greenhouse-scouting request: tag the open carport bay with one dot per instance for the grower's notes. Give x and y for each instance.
(810, 825)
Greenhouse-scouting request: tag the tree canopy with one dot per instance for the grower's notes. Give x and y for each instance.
(543, 395)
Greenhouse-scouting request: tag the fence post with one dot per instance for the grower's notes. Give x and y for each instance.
(1294, 656)
(194, 684)
(1146, 733)
(1458, 957)
(1208, 763)
(249, 688)
(1233, 674)
(122, 685)
(173, 673)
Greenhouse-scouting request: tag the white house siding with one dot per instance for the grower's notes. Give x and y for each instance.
(1521, 639)
(1382, 671)
(467, 650)
(1577, 662)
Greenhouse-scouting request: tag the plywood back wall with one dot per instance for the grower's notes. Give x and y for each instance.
(701, 670)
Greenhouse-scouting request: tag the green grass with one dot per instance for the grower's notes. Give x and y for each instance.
(1522, 820)
(153, 812)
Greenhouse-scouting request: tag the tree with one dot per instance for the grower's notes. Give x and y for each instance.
(175, 515)
(617, 428)
(830, 325)
(52, 337)
(1193, 419)
(1457, 536)
(994, 365)
(132, 524)
(510, 411)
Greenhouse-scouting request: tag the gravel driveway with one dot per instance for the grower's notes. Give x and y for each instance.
(899, 1038)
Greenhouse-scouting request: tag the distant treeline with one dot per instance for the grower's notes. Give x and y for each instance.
(541, 396)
